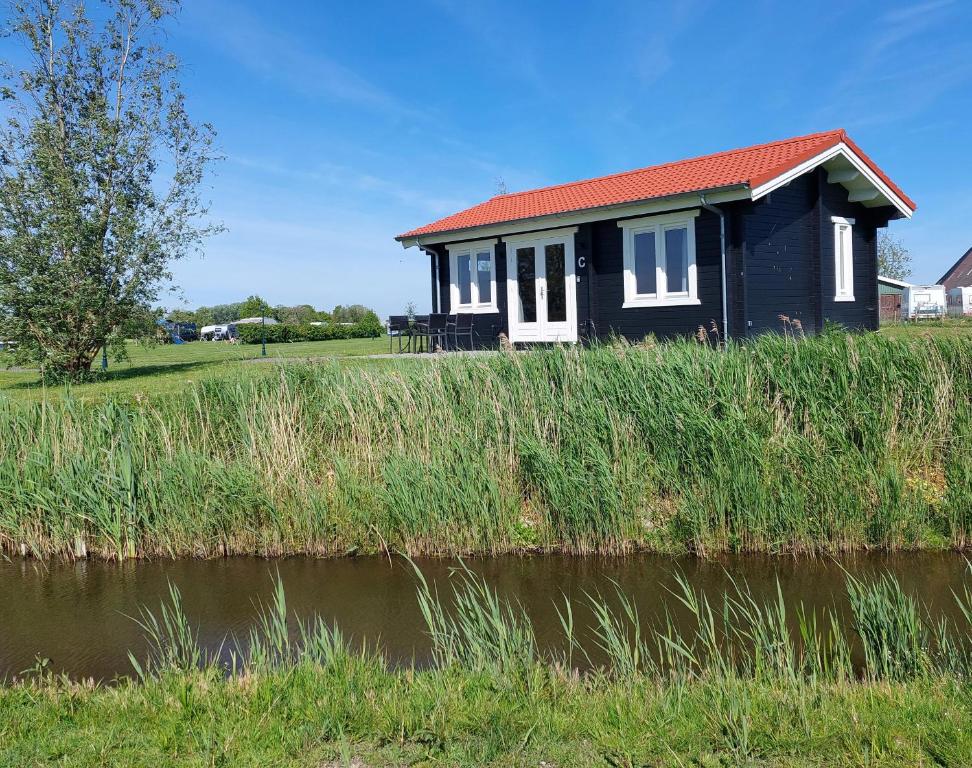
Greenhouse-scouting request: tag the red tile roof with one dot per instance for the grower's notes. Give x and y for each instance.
(748, 167)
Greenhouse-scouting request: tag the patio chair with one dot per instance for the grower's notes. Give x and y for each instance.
(438, 328)
(398, 325)
(420, 332)
(451, 331)
(464, 328)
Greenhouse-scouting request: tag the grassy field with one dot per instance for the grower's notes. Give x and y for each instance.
(736, 688)
(958, 327)
(832, 443)
(156, 369)
(161, 369)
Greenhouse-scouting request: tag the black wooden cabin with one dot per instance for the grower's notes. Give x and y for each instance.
(766, 238)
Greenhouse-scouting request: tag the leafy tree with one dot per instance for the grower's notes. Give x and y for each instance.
(100, 167)
(894, 260)
(352, 314)
(204, 316)
(253, 306)
(141, 325)
(297, 315)
(181, 316)
(224, 313)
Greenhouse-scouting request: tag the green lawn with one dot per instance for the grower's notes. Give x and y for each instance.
(950, 326)
(154, 369)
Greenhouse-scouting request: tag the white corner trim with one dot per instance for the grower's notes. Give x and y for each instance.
(828, 154)
(650, 302)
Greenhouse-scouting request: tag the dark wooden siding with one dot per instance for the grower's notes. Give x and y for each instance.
(778, 258)
(610, 317)
(736, 267)
(583, 254)
(863, 312)
(788, 261)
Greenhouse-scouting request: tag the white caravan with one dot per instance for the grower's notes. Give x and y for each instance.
(919, 302)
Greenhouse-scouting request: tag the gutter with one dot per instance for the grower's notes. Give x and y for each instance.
(722, 247)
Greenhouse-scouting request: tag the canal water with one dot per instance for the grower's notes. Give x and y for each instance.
(78, 615)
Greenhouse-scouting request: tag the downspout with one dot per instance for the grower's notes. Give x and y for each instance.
(722, 248)
(435, 276)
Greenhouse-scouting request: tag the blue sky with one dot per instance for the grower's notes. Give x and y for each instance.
(343, 124)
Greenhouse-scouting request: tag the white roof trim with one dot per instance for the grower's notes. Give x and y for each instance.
(892, 281)
(828, 154)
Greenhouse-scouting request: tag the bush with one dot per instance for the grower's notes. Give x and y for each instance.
(369, 327)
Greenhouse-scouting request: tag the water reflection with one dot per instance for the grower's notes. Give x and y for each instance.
(77, 615)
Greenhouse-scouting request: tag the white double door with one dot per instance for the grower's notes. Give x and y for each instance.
(541, 286)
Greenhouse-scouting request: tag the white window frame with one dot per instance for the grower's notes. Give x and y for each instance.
(847, 292)
(659, 225)
(472, 249)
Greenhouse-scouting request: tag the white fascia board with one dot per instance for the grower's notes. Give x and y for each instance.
(828, 154)
(892, 281)
(557, 220)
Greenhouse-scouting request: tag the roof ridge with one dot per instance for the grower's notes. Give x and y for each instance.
(619, 174)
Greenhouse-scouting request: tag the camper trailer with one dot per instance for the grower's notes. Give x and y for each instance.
(960, 301)
(225, 332)
(920, 302)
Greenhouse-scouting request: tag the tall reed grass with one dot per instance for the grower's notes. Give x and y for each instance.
(825, 444)
(888, 636)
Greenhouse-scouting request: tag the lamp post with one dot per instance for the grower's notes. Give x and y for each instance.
(104, 357)
(263, 328)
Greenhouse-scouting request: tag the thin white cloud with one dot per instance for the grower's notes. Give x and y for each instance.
(918, 10)
(271, 53)
(904, 67)
(344, 179)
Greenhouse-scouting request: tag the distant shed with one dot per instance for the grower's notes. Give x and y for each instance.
(890, 291)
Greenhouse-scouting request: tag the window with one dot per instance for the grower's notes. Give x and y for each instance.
(843, 258)
(659, 260)
(472, 270)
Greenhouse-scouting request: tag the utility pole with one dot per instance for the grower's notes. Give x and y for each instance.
(263, 328)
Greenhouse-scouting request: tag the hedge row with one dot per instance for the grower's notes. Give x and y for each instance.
(368, 328)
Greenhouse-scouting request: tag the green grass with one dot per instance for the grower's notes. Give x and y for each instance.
(832, 443)
(949, 326)
(158, 369)
(739, 688)
(357, 714)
